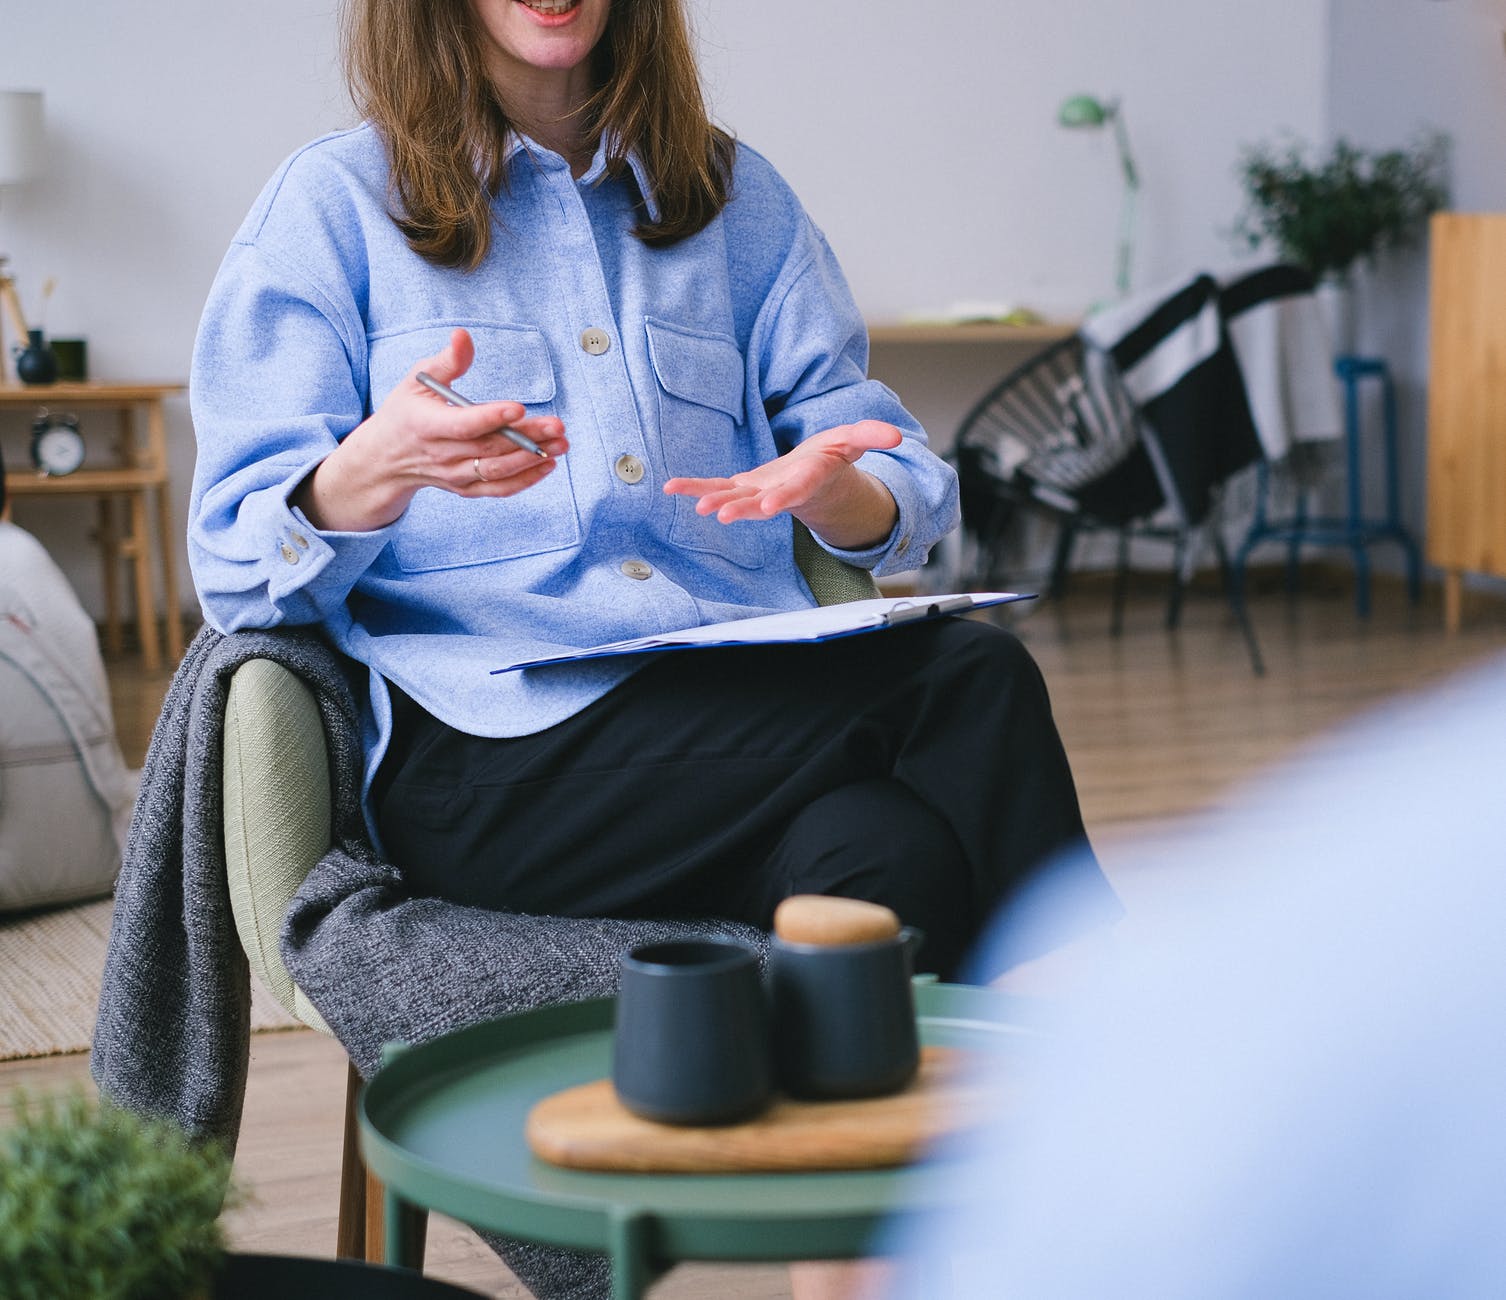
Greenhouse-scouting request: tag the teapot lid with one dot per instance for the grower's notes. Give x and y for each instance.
(827, 921)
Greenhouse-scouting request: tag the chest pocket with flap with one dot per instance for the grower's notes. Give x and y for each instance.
(443, 531)
(704, 433)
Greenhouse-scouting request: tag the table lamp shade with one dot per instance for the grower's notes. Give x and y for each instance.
(20, 135)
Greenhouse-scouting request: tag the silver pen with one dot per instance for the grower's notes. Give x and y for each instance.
(455, 399)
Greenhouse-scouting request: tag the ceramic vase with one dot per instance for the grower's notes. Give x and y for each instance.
(1335, 294)
(35, 363)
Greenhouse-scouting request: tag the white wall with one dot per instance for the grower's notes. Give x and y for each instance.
(921, 137)
(163, 120)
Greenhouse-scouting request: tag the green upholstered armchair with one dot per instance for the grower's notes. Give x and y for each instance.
(277, 826)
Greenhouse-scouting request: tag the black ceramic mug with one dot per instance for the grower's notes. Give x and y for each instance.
(691, 1043)
(844, 1016)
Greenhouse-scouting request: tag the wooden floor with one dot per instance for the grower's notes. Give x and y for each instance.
(1157, 724)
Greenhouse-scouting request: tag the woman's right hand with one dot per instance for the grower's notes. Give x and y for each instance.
(416, 439)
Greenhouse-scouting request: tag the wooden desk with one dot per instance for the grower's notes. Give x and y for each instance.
(134, 468)
(979, 332)
(940, 369)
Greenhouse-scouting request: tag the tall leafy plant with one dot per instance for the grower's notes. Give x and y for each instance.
(1327, 212)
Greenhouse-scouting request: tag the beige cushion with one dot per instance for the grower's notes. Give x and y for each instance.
(276, 784)
(277, 814)
(65, 792)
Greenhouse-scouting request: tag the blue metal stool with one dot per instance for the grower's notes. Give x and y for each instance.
(1352, 529)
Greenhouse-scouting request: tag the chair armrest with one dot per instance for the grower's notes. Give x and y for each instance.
(276, 814)
(832, 581)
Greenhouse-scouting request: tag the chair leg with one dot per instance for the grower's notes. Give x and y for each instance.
(1234, 588)
(1061, 561)
(1183, 558)
(1247, 629)
(350, 1236)
(376, 1226)
(1121, 582)
(362, 1232)
(413, 1225)
(1221, 554)
(991, 542)
(1232, 573)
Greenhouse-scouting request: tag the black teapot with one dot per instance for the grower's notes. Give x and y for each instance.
(843, 1006)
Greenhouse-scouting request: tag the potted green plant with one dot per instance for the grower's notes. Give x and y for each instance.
(97, 1204)
(1329, 211)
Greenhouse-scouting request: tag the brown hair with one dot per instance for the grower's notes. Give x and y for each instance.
(416, 69)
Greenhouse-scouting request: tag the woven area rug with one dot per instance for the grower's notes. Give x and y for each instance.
(50, 966)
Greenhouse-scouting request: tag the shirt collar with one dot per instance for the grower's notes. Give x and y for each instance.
(517, 143)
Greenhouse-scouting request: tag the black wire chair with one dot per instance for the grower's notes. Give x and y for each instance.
(1059, 434)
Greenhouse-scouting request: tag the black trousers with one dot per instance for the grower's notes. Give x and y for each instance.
(918, 767)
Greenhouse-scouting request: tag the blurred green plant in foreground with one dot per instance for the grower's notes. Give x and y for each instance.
(98, 1204)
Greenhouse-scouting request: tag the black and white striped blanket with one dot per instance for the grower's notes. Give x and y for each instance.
(1225, 371)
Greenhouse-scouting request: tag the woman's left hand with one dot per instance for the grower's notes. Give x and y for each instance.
(818, 482)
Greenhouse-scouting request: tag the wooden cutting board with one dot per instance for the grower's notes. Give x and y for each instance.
(588, 1128)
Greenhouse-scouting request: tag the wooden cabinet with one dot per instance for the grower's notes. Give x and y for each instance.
(130, 470)
(1467, 401)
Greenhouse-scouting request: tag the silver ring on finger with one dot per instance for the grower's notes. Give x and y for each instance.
(476, 465)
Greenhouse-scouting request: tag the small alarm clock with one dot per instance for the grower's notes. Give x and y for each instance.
(57, 446)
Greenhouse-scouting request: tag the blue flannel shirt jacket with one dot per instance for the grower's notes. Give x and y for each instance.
(724, 351)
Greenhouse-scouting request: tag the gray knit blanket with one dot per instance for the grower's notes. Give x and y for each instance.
(172, 1036)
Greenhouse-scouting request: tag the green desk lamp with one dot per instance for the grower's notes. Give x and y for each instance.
(1085, 111)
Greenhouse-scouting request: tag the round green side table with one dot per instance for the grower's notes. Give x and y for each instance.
(442, 1127)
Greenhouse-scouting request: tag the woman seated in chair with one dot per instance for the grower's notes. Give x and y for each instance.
(537, 211)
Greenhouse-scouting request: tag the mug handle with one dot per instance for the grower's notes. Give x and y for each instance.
(911, 939)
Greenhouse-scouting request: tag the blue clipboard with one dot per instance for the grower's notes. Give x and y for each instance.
(800, 626)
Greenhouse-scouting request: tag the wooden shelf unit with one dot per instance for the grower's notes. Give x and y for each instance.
(1466, 530)
(135, 470)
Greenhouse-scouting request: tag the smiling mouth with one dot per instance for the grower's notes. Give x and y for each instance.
(550, 8)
